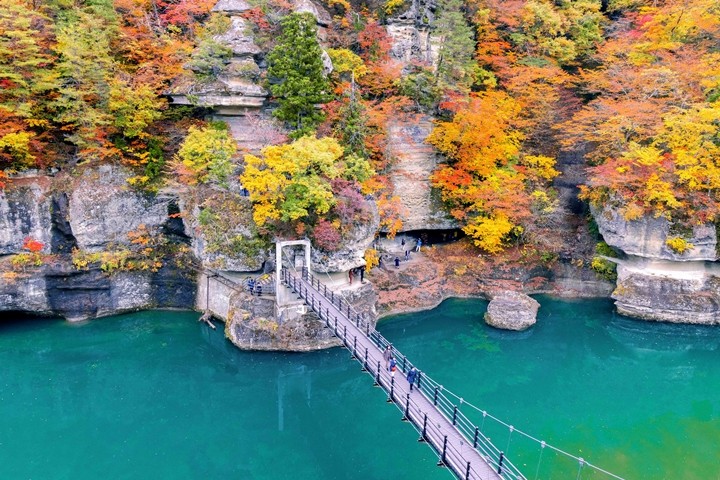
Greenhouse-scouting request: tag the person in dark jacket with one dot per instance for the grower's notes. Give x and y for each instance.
(397, 262)
(411, 377)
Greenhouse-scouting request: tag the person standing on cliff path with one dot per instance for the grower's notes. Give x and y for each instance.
(418, 245)
(362, 274)
(387, 355)
(350, 275)
(397, 262)
(411, 377)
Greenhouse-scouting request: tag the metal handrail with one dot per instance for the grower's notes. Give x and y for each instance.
(431, 389)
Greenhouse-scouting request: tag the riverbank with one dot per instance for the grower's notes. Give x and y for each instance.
(455, 270)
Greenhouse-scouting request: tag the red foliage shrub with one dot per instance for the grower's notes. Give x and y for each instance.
(326, 236)
(32, 245)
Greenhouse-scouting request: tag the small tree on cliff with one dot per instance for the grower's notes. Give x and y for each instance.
(295, 64)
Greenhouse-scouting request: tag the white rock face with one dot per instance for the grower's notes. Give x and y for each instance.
(24, 294)
(687, 292)
(512, 311)
(321, 15)
(646, 237)
(410, 43)
(410, 31)
(25, 211)
(415, 162)
(235, 91)
(656, 283)
(231, 6)
(103, 209)
(239, 38)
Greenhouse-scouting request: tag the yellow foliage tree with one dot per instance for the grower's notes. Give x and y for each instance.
(205, 155)
(293, 182)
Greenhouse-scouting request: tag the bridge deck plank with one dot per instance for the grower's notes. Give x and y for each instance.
(417, 407)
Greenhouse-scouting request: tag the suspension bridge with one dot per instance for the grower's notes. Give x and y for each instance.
(433, 411)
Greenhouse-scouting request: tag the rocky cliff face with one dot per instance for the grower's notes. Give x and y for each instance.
(647, 237)
(25, 211)
(235, 90)
(410, 33)
(665, 291)
(414, 162)
(656, 283)
(220, 224)
(87, 219)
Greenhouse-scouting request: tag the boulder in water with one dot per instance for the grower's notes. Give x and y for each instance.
(512, 311)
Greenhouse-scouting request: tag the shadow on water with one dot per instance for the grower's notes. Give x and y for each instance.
(661, 336)
(14, 319)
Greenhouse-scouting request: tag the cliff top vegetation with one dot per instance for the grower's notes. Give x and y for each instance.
(633, 84)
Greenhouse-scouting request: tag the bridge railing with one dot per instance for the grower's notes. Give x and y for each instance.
(447, 402)
(431, 389)
(435, 392)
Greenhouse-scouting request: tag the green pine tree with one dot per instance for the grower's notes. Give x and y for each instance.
(456, 65)
(295, 69)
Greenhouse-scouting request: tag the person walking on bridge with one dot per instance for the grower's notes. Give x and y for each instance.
(387, 355)
(411, 377)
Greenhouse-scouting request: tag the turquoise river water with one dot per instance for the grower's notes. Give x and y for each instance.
(159, 395)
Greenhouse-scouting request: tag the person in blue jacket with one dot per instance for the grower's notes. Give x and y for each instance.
(411, 377)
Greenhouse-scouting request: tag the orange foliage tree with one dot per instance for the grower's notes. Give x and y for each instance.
(488, 182)
(651, 127)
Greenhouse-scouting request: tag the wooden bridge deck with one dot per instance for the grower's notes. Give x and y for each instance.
(442, 431)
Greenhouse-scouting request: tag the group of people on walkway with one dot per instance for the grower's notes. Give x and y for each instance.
(356, 272)
(254, 286)
(418, 244)
(391, 366)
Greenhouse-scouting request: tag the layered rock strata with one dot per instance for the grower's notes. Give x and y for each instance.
(78, 219)
(235, 90)
(654, 282)
(413, 163)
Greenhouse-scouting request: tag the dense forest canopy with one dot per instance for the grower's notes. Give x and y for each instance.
(633, 85)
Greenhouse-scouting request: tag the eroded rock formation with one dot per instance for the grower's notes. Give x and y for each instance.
(655, 282)
(414, 162)
(78, 219)
(510, 310)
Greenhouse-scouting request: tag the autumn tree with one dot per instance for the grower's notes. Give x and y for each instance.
(205, 155)
(303, 182)
(26, 81)
(651, 125)
(488, 182)
(295, 69)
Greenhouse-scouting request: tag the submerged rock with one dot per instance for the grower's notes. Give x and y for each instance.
(512, 311)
